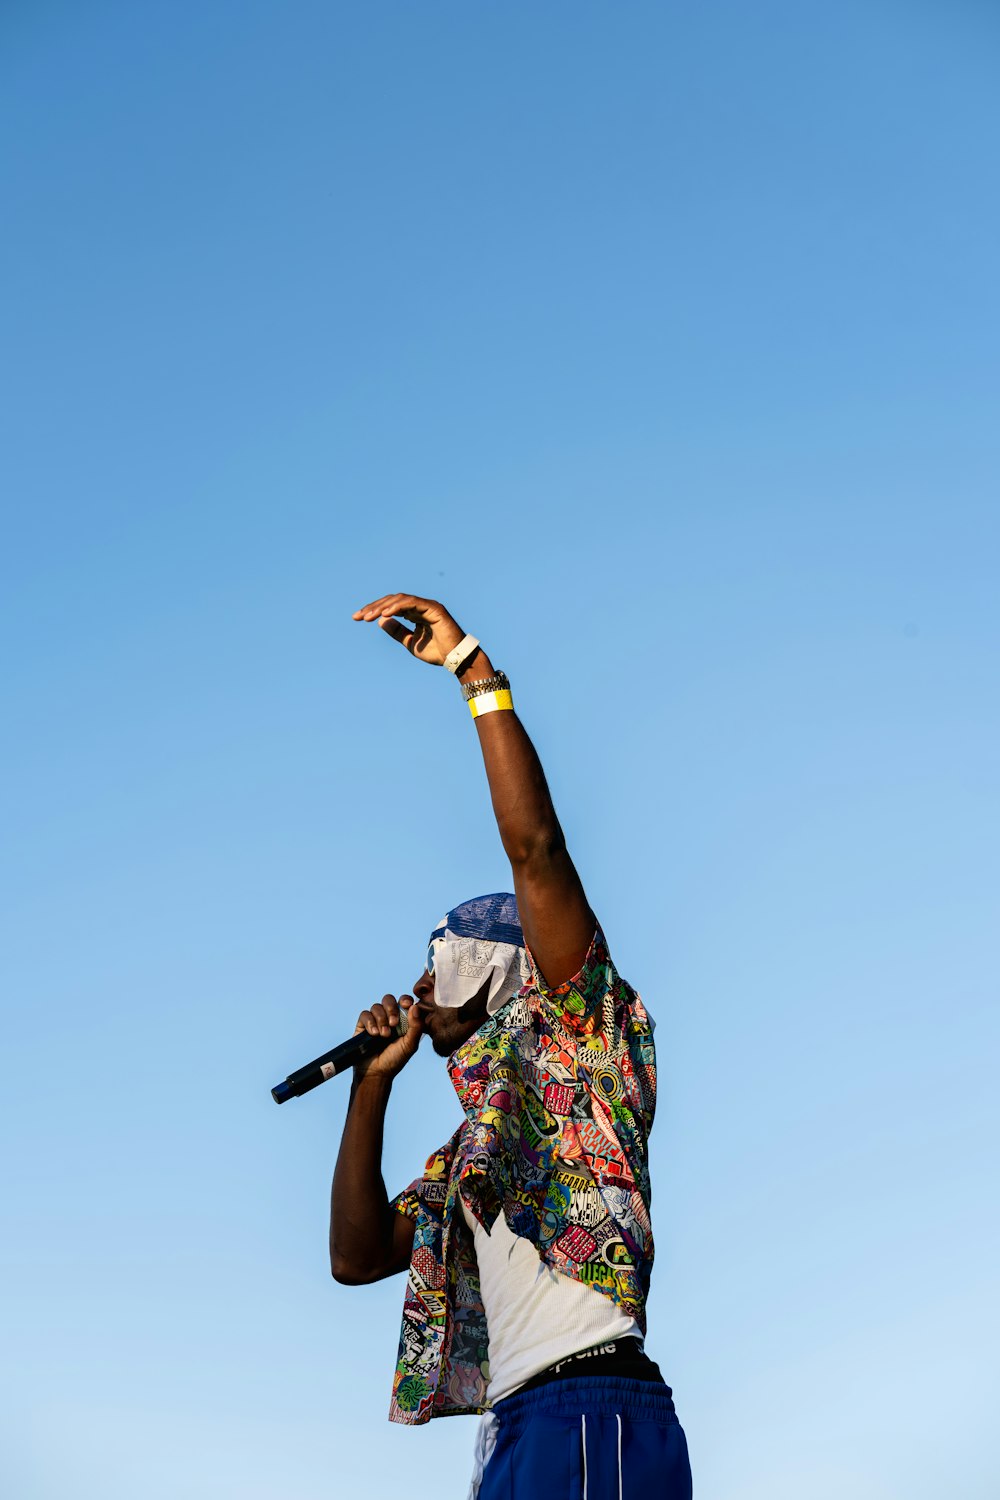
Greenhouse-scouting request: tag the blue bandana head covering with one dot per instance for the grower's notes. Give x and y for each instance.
(477, 943)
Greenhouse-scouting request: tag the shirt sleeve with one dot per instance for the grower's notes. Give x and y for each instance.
(428, 1190)
(408, 1201)
(578, 1004)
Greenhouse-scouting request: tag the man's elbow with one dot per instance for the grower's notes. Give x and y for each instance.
(346, 1274)
(538, 849)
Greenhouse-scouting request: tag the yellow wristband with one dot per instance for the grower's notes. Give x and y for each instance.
(490, 703)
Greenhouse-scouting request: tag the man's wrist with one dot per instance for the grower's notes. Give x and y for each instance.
(372, 1087)
(478, 665)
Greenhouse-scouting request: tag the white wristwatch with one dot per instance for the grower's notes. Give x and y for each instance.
(456, 659)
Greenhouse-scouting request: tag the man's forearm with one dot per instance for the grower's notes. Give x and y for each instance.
(360, 1216)
(522, 802)
(555, 914)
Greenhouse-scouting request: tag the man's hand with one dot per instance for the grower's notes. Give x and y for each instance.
(434, 631)
(382, 1020)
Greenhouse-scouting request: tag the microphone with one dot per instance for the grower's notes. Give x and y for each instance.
(337, 1060)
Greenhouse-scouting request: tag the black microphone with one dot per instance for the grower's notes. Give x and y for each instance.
(337, 1060)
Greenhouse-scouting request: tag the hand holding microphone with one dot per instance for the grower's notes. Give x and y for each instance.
(384, 1040)
(397, 1024)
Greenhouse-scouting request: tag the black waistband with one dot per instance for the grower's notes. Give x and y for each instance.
(622, 1357)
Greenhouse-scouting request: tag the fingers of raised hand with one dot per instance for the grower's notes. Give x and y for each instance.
(394, 604)
(398, 631)
(370, 611)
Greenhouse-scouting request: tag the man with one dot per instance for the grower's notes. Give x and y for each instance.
(527, 1238)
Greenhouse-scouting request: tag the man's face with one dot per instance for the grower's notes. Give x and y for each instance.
(447, 1027)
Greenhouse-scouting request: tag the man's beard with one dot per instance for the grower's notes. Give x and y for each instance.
(454, 1027)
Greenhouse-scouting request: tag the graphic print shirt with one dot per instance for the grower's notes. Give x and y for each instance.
(559, 1091)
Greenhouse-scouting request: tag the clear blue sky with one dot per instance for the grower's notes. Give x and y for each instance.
(661, 342)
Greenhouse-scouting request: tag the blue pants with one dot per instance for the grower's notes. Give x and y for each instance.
(610, 1439)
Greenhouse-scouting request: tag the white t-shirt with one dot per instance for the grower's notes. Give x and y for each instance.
(534, 1315)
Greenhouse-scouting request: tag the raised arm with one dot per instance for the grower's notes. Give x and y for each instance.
(557, 920)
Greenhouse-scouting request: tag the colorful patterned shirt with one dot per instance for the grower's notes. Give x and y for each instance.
(559, 1090)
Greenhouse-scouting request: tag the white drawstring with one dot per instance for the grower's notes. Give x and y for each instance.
(620, 1495)
(583, 1425)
